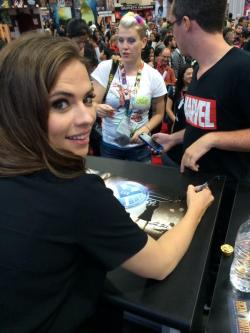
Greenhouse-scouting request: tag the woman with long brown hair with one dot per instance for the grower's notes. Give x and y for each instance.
(61, 229)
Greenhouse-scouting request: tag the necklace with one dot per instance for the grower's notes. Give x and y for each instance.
(126, 99)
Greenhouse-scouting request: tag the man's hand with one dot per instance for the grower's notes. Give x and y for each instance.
(166, 140)
(194, 152)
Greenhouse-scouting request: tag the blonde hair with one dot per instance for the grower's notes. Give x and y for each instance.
(131, 20)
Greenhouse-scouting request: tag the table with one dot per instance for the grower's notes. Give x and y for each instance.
(222, 316)
(177, 302)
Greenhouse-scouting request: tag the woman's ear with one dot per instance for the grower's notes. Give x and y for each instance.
(144, 41)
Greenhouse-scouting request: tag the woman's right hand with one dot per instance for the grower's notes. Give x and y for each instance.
(104, 110)
(198, 202)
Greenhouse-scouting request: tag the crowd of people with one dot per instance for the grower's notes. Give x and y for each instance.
(159, 49)
(149, 84)
(62, 230)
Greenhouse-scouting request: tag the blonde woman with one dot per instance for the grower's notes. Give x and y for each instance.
(135, 87)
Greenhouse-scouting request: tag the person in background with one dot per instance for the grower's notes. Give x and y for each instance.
(125, 111)
(79, 32)
(238, 35)
(170, 42)
(164, 23)
(158, 51)
(62, 230)
(163, 67)
(113, 44)
(93, 40)
(175, 111)
(228, 34)
(229, 20)
(151, 57)
(177, 60)
(153, 40)
(216, 138)
(105, 53)
(246, 46)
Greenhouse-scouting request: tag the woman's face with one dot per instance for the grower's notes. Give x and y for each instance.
(187, 77)
(130, 44)
(71, 113)
(152, 37)
(151, 52)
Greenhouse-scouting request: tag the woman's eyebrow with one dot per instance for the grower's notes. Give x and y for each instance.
(63, 93)
(67, 94)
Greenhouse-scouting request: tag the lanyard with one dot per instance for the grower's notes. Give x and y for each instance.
(126, 97)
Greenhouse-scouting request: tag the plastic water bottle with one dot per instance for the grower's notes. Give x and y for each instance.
(240, 269)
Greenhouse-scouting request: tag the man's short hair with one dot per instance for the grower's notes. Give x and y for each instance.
(76, 28)
(209, 14)
(226, 31)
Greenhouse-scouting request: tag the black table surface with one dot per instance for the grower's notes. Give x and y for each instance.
(222, 317)
(176, 301)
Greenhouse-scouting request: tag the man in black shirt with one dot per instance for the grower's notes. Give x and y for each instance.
(217, 134)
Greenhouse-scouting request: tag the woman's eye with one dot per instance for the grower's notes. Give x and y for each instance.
(120, 40)
(131, 40)
(88, 100)
(60, 104)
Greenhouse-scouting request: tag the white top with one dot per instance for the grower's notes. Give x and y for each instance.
(151, 86)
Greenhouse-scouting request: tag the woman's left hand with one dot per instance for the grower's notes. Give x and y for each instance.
(135, 138)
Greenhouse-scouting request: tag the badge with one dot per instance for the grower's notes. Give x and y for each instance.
(123, 131)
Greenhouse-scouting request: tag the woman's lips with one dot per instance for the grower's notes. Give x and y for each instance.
(79, 138)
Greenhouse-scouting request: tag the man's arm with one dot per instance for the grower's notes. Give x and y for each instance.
(238, 140)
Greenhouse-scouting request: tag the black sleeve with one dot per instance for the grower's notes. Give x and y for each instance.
(105, 229)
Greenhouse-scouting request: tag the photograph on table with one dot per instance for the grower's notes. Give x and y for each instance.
(152, 210)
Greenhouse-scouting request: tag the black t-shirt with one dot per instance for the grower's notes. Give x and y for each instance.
(58, 238)
(176, 152)
(218, 102)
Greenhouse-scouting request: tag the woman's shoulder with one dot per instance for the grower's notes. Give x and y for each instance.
(105, 63)
(103, 67)
(151, 71)
(88, 178)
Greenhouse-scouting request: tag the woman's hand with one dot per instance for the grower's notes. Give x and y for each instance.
(135, 137)
(198, 202)
(104, 110)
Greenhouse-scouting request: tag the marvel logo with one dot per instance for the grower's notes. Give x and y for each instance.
(200, 112)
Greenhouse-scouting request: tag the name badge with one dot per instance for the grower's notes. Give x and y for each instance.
(123, 131)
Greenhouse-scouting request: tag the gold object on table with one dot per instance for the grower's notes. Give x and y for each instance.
(227, 249)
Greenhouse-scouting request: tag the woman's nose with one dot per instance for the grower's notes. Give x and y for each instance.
(84, 115)
(125, 44)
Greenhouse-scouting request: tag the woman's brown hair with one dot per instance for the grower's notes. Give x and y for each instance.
(29, 67)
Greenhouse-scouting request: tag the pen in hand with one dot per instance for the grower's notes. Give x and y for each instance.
(208, 183)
